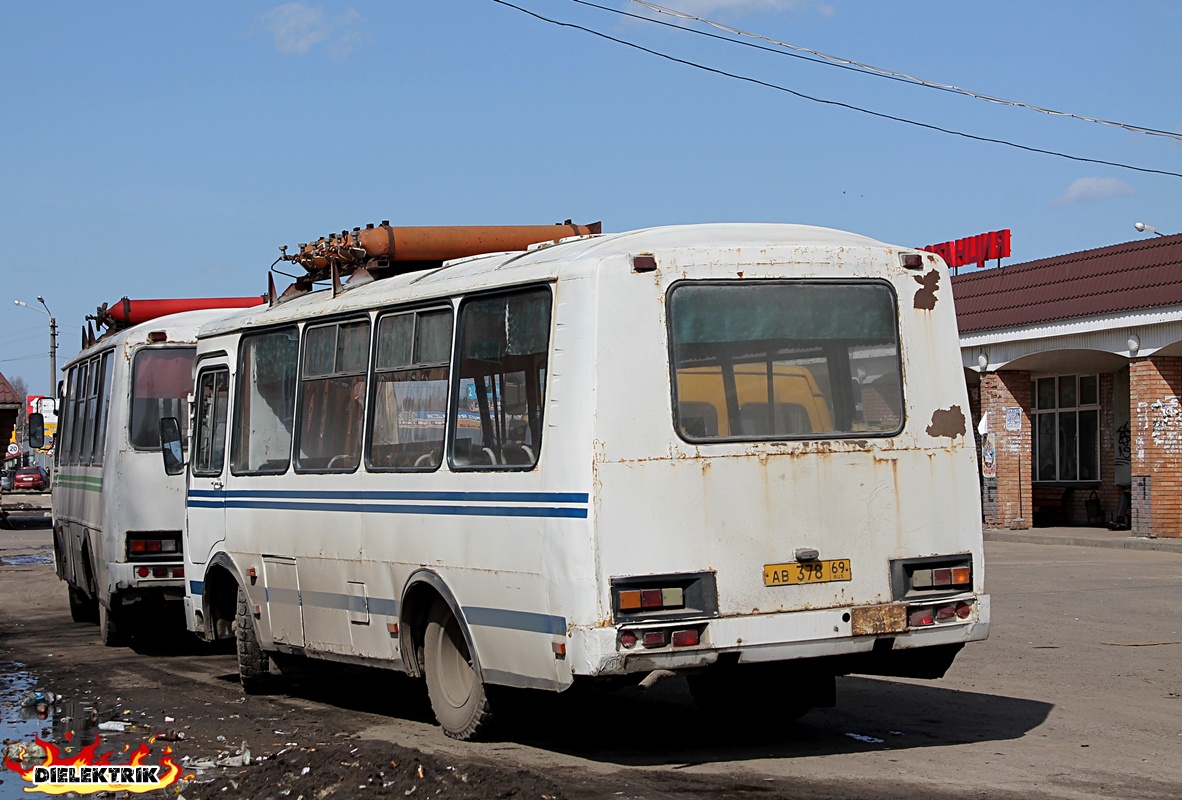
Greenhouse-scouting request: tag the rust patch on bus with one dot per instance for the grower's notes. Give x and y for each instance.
(873, 620)
(925, 296)
(947, 422)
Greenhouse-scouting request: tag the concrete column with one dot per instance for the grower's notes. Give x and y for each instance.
(1155, 407)
(1005, 396)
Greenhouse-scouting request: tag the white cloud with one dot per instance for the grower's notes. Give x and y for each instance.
(1089, 190)
(703, 8)
(298, 28)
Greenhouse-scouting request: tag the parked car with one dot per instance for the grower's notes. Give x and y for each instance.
(33, 479)
(6, 480)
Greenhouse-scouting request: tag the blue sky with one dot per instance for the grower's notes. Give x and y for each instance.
(160, 149)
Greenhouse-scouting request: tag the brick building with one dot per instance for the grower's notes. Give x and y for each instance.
(10, 406)
(1074, 365)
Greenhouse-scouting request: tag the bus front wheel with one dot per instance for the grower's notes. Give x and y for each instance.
(253, 664)
(458, 697)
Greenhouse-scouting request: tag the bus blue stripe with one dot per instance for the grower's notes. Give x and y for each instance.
(385, 508)
(455, 497)
(528, 621)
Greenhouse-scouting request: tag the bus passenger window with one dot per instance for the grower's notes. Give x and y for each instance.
(265, 403)
(496, 415)
(332, 400)
(410, 390)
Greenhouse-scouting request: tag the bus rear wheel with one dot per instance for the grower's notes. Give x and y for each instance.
(458, 696)
(253, 663)
(112, 625)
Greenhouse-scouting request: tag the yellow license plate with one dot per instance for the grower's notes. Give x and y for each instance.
(837, 569)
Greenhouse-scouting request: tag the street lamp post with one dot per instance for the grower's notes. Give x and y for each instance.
(52, 343)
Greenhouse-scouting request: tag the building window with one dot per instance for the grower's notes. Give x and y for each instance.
(1067, 428)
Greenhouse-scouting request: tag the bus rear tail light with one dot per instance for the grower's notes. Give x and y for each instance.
(153, 545)
(922, 617)
(664, 597)
(687, 637)
(651, 599)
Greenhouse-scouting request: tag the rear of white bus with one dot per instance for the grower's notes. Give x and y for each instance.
(788, 487)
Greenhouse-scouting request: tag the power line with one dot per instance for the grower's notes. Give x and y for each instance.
(856, 66)
(801, 95)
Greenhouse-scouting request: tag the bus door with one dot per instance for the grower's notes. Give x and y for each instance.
(207, 465)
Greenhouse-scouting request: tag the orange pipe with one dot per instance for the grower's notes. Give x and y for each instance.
(447, 242)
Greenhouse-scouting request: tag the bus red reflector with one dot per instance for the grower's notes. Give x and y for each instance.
(627, 640)
(655, 639)
(143, 572)
(964, 610)
(685, 638)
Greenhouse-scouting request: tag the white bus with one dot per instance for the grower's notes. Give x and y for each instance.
(117, 520)
(738, 452)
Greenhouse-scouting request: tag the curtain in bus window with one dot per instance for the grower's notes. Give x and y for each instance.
(332, 402)
(785, 359)
(161, 380)
(497, 413)
(265, 402)
(410, 390)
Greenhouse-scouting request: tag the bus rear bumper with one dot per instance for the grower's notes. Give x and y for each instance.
(827, 633)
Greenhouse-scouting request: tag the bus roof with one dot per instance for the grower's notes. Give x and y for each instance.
(572, 256)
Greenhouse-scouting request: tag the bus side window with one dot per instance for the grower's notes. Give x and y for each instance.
(265, 403)
(496, 415)
(409, 400)
(332, 399)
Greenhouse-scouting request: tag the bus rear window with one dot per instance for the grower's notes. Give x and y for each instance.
(763, 360)
(162, 378)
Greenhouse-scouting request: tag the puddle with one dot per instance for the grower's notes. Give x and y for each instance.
(26, 559)
(67, 722)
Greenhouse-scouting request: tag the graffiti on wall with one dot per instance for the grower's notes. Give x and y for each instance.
(1160, 421)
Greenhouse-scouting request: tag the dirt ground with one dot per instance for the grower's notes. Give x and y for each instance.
(1032, 714)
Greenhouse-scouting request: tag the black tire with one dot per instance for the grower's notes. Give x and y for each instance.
(253, 665)
(82, 608)
(458, 697)
(756, 693)
(112, 625)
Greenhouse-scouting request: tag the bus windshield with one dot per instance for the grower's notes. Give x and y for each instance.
(162, 378)
(785, 360)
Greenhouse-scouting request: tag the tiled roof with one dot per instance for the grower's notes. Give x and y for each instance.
(1146, 273)
(7, 395)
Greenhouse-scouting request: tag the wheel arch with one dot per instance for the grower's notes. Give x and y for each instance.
(423, 589)
(219, 597)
